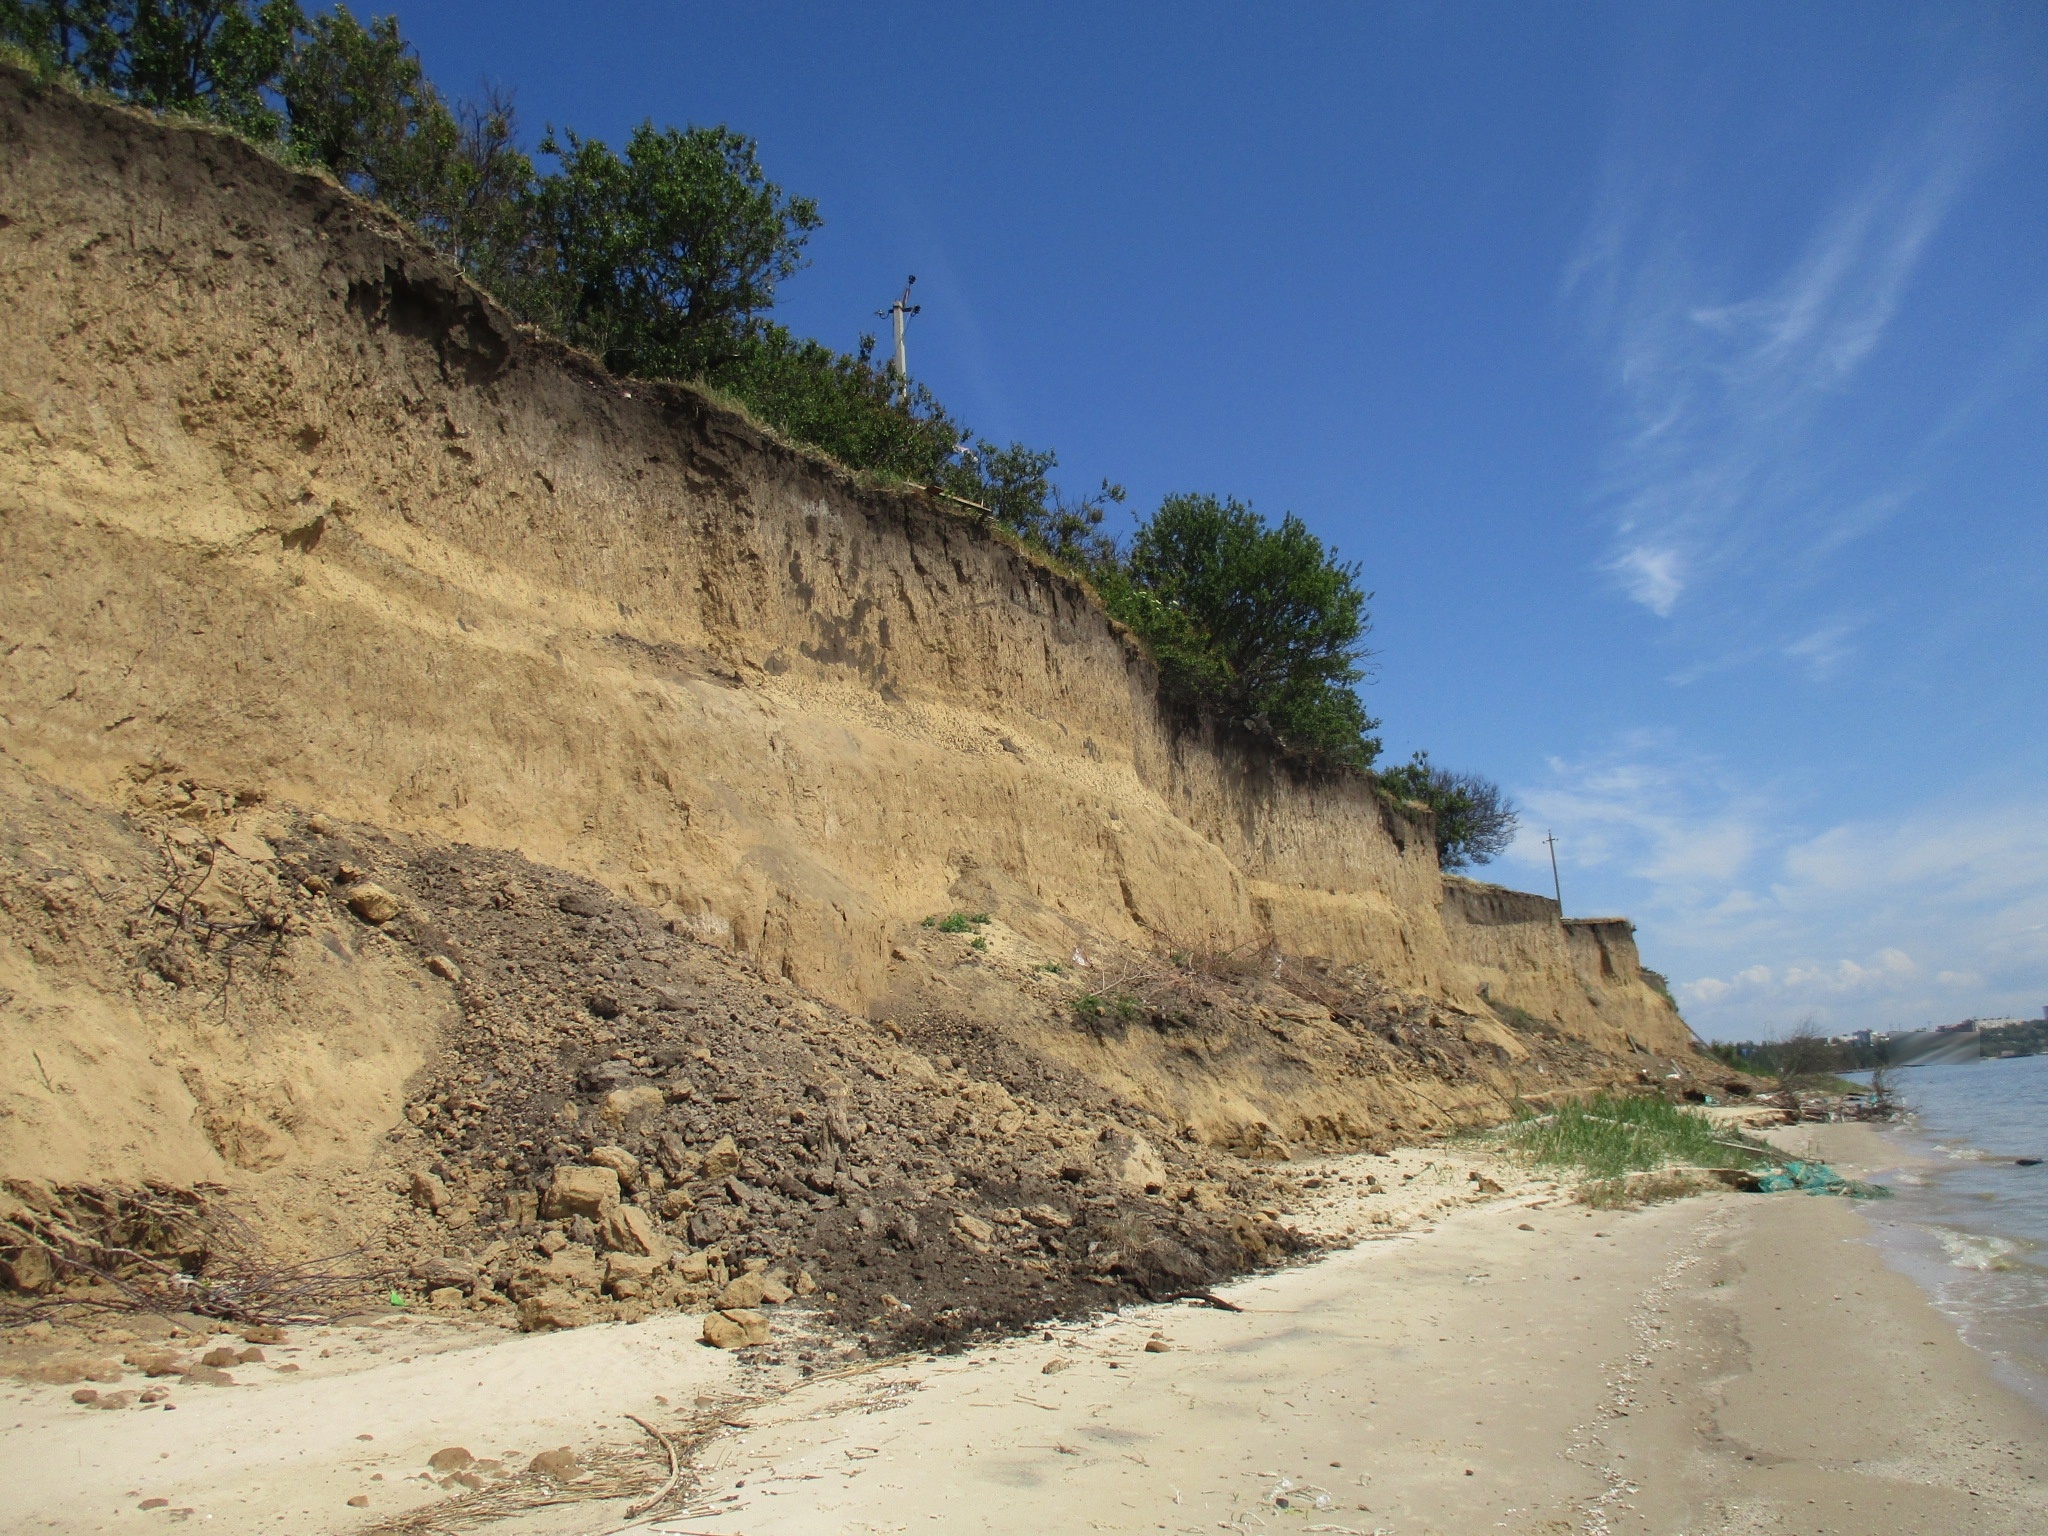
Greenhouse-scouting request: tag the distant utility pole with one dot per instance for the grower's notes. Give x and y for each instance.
(898, 312)
(1551, 839)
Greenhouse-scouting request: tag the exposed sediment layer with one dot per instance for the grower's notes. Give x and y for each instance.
(296, 520)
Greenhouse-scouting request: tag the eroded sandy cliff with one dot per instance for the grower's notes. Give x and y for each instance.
(294, 520)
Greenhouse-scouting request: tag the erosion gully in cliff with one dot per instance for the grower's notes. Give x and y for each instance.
(544, 840)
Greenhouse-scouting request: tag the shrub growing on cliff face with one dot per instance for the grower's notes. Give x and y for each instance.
(1475, 820)
(1257, 623)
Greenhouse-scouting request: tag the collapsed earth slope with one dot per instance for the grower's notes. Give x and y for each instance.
(341, 614)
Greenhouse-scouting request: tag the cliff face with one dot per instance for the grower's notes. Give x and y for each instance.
(1578, 976)
(292, 511)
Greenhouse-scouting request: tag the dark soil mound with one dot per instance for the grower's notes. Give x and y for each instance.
(927, 1205)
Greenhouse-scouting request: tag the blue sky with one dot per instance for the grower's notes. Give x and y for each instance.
(1678, 374)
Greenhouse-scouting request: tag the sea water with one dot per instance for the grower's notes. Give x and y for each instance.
(1968, 1221)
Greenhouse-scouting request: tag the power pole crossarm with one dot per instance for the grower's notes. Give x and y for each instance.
(898, 312)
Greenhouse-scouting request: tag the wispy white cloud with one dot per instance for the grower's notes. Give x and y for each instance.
(1716, 468)
(1822, 651)
(1653, 577)
(1681, 822)
(1931, 914)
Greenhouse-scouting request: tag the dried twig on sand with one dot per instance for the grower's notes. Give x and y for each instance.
(161, 1248)
(675, 1469)
(609, 1473)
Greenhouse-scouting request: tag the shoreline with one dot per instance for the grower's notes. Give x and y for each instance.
(1514, 1363)
(1967, 1227)
(1799, 1381)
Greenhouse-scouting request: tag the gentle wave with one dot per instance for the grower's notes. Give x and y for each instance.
(1975, 1250)
(1970, 1222)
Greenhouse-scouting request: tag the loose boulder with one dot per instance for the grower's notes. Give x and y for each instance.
(628, 1229)
(722, 1159)
(1134, 1162)
(620, 1161)
(736, 1328)
(372, 903)
(578, 1190)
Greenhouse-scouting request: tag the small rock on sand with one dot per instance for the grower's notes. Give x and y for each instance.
(551, 1308)
(560, 1464)
(451, 1458)
(751, 1290)
(735, 1328)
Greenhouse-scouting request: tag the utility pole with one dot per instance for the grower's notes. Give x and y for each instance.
(1551, 840)
(897, 313)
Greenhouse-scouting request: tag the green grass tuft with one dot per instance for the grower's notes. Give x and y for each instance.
(1611, 1136)
(1095, 1009)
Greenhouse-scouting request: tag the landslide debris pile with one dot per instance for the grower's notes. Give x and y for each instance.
(629, 1112)
(617, 1118)
(294, 505)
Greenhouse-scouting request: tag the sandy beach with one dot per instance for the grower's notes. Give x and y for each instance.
(1505, 1362)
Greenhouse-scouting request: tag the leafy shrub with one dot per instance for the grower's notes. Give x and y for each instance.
(218, 59)
(1475, 821)
(1260, 624)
